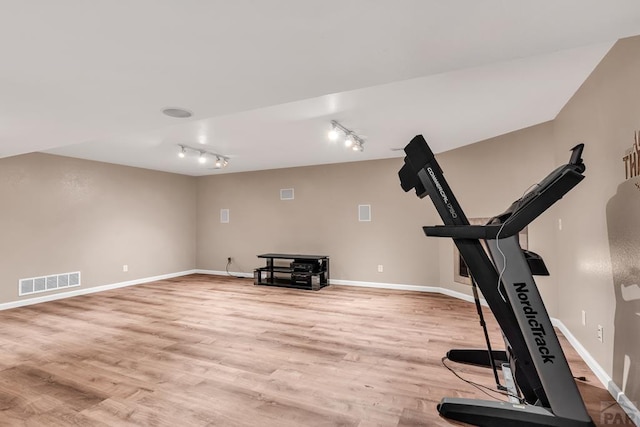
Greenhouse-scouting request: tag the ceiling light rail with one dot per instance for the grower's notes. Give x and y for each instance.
(203, 155)
(351, 139)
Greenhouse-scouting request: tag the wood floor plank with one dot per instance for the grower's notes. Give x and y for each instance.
(213, 351)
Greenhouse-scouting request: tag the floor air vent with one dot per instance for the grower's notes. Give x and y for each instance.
(35, 285)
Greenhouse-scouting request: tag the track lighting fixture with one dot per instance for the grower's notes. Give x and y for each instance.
(351, 139)
(221, 161)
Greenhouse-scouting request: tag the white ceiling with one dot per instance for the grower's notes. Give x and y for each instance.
(264, 78)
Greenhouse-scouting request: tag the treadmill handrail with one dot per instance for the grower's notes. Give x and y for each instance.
(463, 231)
(529, 207)
(521, 213)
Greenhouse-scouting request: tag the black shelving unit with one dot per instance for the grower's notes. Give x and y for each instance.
(298, 271)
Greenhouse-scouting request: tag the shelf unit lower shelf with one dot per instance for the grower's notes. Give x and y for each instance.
(288, 277)
(287, 283)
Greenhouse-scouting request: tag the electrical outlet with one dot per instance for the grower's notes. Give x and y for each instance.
(584, 318)
(600, 334)
(380, 268)
(125, 268)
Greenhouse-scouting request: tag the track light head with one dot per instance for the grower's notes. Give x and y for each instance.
(182, 152)
(202, 158)
(218, 162)
(334, 134)
(348, 141)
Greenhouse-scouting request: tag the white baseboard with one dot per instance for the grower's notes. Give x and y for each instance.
(396, 286)
(224, 273)
(417, 288)
(628, 406)
(586, 356)
(91, 290)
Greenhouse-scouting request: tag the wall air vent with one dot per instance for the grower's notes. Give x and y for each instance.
(364, 213)
(35, 285)
(286, 194)
(224, 216)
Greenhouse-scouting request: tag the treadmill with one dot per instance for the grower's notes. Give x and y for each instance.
(547, 394)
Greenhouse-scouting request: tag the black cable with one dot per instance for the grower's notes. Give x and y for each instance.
(229, 273)
(481, 387)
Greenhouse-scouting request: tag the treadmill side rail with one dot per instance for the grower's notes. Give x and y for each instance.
(539, 335)
(492, 413)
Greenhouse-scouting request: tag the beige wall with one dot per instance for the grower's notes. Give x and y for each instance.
(604, 114)
(323, 219)
(61, 215)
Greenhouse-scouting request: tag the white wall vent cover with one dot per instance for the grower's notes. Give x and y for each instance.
(35, 285)
(286, 194)
(364, 212)
(224, 216)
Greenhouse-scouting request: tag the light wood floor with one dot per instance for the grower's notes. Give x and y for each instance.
(205, 350)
